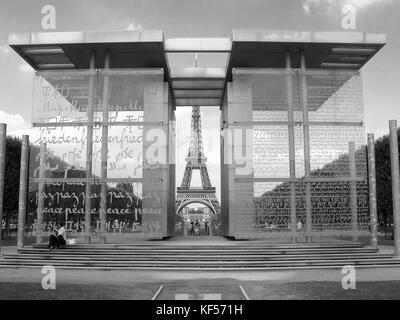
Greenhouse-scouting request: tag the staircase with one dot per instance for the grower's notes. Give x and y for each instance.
(170, 256)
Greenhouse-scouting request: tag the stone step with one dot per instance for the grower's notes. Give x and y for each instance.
(173, 265)
(200, 245)
(209, 251)
(138, 257)
(169, 256)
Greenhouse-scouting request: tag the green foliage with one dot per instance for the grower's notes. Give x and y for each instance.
(383, 179)
(11, 180)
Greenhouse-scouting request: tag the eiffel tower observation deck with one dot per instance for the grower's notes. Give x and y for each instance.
(196, 160)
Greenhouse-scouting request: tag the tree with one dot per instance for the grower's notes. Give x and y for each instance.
(11, 179)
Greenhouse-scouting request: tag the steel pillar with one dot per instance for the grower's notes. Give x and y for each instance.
(104, 152)
(292, 150)
(306, 137)
(3, 143)
(394, 157)
(89, 147)
(372, 191)
(23, 190)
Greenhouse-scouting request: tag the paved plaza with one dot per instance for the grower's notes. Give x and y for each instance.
(372, 283)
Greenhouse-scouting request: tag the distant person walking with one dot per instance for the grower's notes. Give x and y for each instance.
(197, 228)
(192, 228)
(299, 225)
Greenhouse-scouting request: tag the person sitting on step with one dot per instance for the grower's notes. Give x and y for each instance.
(62, 236)
(53, 239)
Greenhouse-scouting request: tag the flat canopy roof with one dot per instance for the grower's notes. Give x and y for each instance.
(345, 50)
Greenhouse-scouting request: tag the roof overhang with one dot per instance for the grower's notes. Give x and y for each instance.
(196, 85)
(322, 50)
(71, 50)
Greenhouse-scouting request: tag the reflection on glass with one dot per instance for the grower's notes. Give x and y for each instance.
(335, 113)
(62, 174)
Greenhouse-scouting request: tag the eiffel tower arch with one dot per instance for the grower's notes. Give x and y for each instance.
(196, 160)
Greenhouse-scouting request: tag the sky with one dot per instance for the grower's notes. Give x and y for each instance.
(203, 18)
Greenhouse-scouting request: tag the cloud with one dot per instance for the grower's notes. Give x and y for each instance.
(379, 132)
(16, 125)
(330, 6)
(5, 50)
(366, 3)
(133, 26)
(25, 68)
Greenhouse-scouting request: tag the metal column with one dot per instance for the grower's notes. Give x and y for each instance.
(23, 190)
(41, 191)
(372, 191)
(306, 134)
(353, 189)
(394, 157)
(3, 143)
(89, 147)
(292, 151)
(104, 152)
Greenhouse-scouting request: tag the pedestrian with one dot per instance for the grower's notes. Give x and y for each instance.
(192, 228)
(62, 236)
(53, 239)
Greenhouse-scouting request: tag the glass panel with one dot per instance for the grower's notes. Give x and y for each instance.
(266, 208)
(270, 91)
(272, 94)
(272, 206)
(245, 208)
(271, 152)
(332, 206)
(363, 217)
(330, 151)
(125, 151)
(127, 93)
(61, 96)
(299, 150)
(335, 97)
(136, 194)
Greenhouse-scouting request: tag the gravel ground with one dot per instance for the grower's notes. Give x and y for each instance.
(229, 290)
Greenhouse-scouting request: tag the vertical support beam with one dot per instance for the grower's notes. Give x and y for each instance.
(171, 160)
(372, 191)
(224, 169)
(242, 204)
(394, 157)
(292, 151)
(89, 147)
(23, 191)
(353, 189)
(3, 142)
(306, 134)
(155, 160)
(104, 152)
(41, 191)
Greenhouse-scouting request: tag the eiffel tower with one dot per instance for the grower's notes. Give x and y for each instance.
(196, 161)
